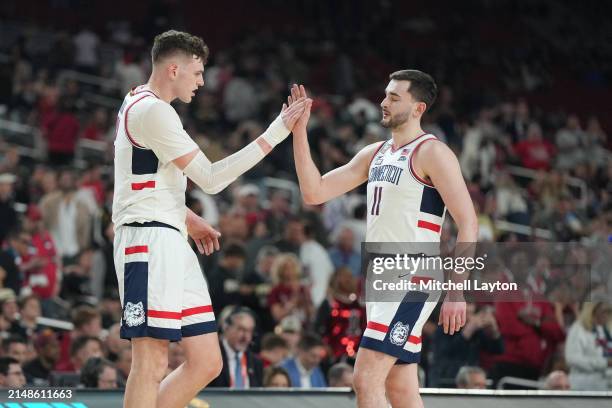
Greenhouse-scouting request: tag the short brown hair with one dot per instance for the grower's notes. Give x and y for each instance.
(272, 341)
(82, 315)
(171, 42)
(423, 88)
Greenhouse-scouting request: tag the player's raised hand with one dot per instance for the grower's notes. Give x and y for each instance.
(291, 112)
(297, 93)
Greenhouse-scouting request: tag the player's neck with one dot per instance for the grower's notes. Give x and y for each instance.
(406, 133)
(160, 88)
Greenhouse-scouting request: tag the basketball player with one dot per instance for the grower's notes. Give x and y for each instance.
(163, 291)
(412, 179)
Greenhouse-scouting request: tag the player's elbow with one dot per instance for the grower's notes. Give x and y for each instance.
(210, 188)
(311, 198)
(469, 226)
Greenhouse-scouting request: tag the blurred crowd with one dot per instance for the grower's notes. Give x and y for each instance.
(286, 285)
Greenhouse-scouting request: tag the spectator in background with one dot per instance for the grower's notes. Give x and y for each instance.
(99, 373)
(588, 349)
(557, 381)
(344, 254)
(11, 374)
(317, 268)
(86, 44)
(10, 312)
(97, 126)
(511, 200)
(276, 377)
(274, 349)
(42, 278)
(257, 284)
(341, 318)
(289, 297)
(303, 369)
(17, 348)
(129, 73)
(535, 152)
(293, 236)
(290, 329)
(279, 222)
(450, 353)
(471, 378)
(76, 282)
(340, 375)
(529, 328)
(225, 280)
(82, 349)
(47, 348)
(114, 343)
(67, 218)
(241, 367)
(357, 224)
(61, 130)
(11, 261)
(8, 215)
(29, 312)
(87, 322)
(570, 142)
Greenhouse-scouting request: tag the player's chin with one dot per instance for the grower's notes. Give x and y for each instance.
(186, 98)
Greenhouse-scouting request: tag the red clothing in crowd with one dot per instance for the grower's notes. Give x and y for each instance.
(42, 280)
(61, 129)
(342, 326)
(283, 293)
(535, 154)
(525, 344)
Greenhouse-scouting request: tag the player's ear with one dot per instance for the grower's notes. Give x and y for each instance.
(173, 70)
(421, 107)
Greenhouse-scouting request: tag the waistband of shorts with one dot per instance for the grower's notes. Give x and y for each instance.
(150, 224)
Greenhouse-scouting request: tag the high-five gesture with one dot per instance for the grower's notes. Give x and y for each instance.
(298, 93)
(290, 113)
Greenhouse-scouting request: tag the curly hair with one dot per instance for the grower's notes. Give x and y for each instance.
(170, 42)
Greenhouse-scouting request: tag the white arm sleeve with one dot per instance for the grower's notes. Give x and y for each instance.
(214, 177)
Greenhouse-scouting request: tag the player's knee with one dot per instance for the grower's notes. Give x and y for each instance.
(363, 382)
(206, 369)
(216, 365)
(401, 394)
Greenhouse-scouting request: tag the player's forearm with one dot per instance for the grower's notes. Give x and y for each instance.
(309, 176)
(214, 177)
(466, 245)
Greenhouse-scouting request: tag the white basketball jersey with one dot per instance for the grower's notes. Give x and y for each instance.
(402, 207)
(145, 188)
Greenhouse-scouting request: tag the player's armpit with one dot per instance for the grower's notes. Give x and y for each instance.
(342, 179)
(183, 161)
(438, 162)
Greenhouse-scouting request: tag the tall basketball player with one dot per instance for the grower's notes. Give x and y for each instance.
(412, 179)
(163, 291)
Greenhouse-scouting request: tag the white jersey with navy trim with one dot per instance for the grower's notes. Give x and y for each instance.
(148, 186)
(402, 207)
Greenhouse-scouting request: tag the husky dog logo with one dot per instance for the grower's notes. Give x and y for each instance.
(134, 314)
(399, 334)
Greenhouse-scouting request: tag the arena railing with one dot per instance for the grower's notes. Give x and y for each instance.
(575, 182)
(28, 139)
